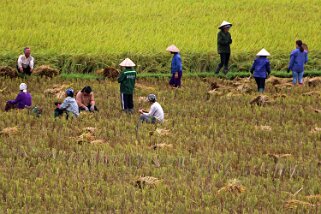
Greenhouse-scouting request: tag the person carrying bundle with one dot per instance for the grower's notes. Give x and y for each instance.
(69, 105)
(298, 58)
(85, 100)
(23, 99)
(25, 62)
(127, 80)
(261, 69)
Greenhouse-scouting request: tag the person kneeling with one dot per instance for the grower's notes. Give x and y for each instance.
(155, 114)
(69, 105)
(23, 99)
(85, 100)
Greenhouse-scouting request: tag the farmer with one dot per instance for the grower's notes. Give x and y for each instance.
(261, 69)
(25, 62)
(224, 40)
(155, 114)
(176, 67)
(68, 106)
(85, 100)
(127, 80)
(298, 58)
(23, 99)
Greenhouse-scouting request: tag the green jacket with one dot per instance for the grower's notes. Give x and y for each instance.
(127, 81)
(224, 40)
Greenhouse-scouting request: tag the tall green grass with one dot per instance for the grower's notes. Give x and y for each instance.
(107, 30)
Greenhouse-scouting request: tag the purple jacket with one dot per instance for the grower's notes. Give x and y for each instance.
(23, 99)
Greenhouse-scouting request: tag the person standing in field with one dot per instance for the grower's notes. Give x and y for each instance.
(23, 99)
(261, 69)
(155, 114)
(176, 67)
(224, 40)
(25, 62)
(298, 58)
(85, 100)
(69, 105)
(127, 80)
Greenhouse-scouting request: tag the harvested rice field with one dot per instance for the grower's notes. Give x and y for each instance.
(222, 149)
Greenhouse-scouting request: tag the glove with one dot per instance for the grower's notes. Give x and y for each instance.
(92, 108)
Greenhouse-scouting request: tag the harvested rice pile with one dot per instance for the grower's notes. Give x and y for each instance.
(45, 70)
(6, 71)
(149, 181)
(108, 72)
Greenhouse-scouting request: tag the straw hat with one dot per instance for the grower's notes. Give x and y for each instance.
(263, 52)
(225, 24)
(173, 49)
(127, 63)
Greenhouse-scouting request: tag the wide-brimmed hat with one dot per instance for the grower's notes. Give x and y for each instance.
(172, 48)
(127, 63)
(263, 52)
(225, 24)
(23, 87)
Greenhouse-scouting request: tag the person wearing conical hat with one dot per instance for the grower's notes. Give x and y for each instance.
(23, 99)
(261, 69)
(176, 67)
(298, 58)
(224, 40)
(127, 80)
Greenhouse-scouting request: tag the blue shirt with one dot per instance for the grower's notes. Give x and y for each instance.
(176, 63)
(261, 67)
(297, 60)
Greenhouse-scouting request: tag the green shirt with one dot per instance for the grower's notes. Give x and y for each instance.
(224, 40)
(127, 81)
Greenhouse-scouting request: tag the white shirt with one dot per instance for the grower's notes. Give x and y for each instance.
(156, 111)
(23, 62)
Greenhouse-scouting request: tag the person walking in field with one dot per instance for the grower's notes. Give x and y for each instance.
(298, 58)
(224, 40)
(23, 99)
(127, 80)
(68, 106)
(176, 67)
(25, 62)
(155, 114)
(85, 100)
(261, 69)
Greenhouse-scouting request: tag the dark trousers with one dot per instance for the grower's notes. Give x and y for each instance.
(26, 70)
(260, 83)
(225, 58)
(127, 101)
(10, 106)
(176, 81)
(89, 106)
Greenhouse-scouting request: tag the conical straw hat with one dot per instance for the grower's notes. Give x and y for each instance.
(263, 52)
(224, 23)
(172, 48)
(127, 63)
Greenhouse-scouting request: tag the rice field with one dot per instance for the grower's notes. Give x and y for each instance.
(143, 29)
(215, 152)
